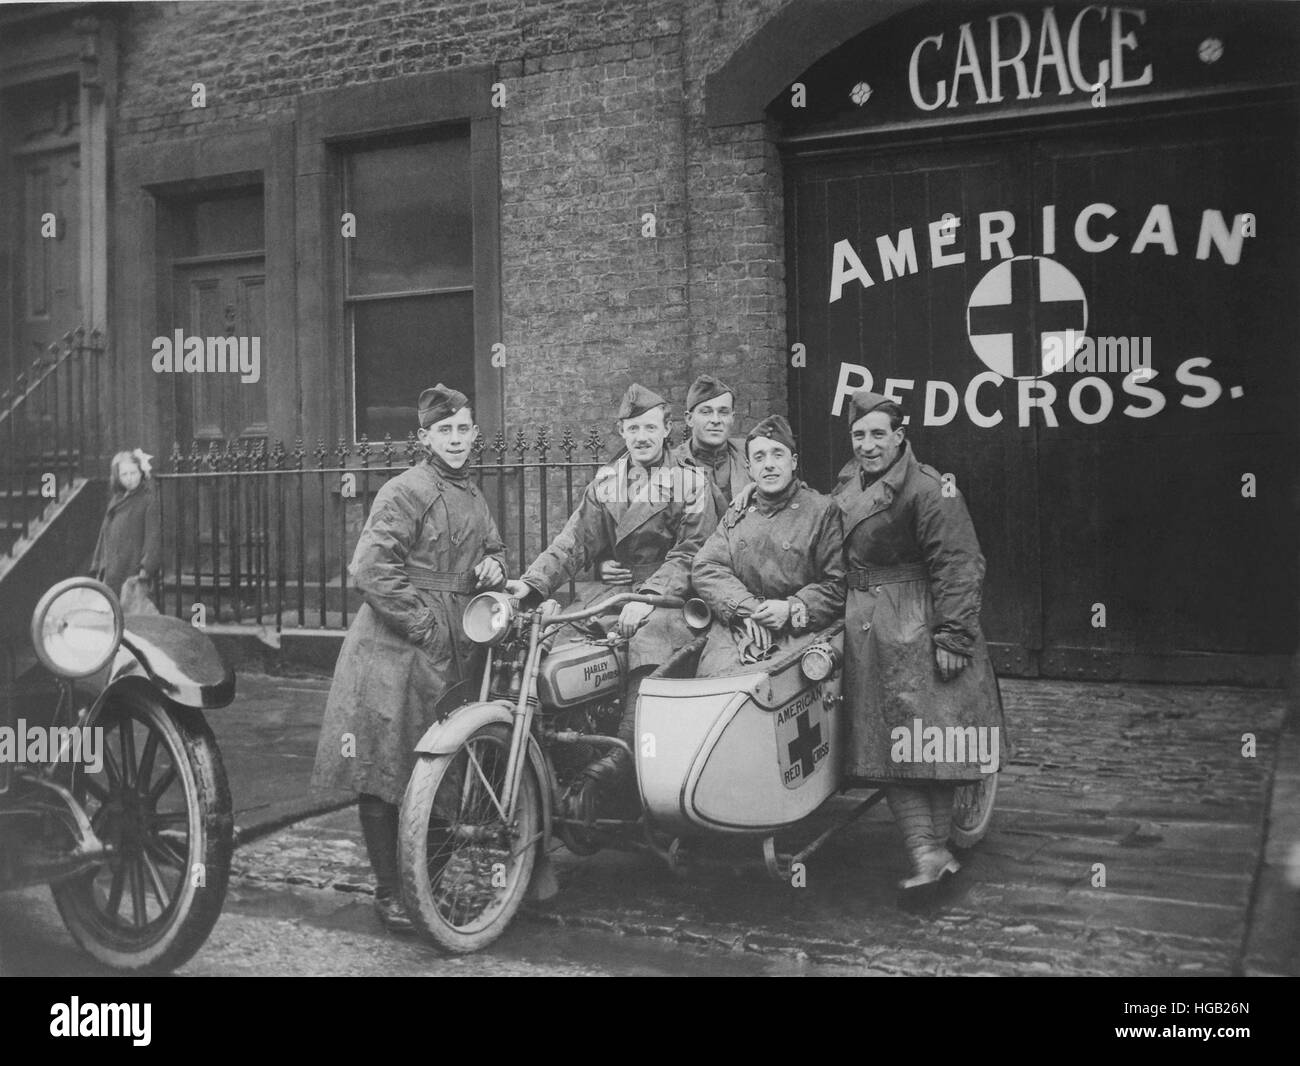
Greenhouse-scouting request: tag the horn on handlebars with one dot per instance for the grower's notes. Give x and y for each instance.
(697, 613)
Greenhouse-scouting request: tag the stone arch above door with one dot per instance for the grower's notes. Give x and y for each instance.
(787, 45)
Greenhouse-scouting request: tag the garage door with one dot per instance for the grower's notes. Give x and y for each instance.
(1137, 504)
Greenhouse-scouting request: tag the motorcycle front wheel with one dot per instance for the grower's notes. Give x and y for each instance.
(465, 869)
(161, 803)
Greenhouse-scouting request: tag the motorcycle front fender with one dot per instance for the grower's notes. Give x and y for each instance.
(446, 737)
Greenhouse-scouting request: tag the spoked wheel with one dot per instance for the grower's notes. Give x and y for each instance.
(161, 803)
(972, 810)
(465, 870)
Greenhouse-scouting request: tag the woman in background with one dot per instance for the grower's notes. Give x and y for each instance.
(130, 539)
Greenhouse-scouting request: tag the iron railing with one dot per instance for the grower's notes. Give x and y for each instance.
(264, 535)
(50, 429)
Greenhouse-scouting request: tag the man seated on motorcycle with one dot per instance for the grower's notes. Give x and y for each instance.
(773, 570)
(648, 513)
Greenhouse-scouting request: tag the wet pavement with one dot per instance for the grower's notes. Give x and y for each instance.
(294, 931)
(1148, 781)
(268, 744)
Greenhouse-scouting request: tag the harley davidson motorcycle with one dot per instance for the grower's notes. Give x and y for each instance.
(118, 798)
(751, 752)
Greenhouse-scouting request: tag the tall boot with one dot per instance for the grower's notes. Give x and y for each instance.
(931, 859)
(379, 828)
(941, 799)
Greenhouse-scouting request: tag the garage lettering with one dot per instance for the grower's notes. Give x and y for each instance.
(984, 60)
(1095, 230)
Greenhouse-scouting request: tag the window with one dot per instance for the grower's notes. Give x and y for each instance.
(408, 275)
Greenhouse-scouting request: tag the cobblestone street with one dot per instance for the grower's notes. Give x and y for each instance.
(1147, 780)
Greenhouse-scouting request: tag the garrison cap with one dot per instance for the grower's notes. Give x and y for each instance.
(638, 400)
(438, 403)
(773, 427)
(706, 387)
(863, 402)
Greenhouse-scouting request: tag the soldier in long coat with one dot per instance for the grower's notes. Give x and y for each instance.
(650, 514)
(428, 544)
(711, 414)
(915, 654)
(775, 560)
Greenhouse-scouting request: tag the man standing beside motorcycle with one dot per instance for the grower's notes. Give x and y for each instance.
(915, 655)
(429, 542)
(773, 570)
(648, 513)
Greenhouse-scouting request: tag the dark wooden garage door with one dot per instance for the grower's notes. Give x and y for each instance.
(1144, 516)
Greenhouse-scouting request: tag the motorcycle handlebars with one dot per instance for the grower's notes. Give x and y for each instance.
(605, 606)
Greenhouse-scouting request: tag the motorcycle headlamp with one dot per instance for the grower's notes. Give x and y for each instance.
(487, 618)
(77, 627)
(819, 661)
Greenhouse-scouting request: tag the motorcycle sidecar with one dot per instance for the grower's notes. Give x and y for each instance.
(747, 752)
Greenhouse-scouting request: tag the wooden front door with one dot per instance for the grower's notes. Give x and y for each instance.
(217, 265)
(40, 205)
(225, 299)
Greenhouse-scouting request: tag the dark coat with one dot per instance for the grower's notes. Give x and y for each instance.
(892, 628)
(795, 551)
(729, 477)
(130, 538)
(653, 526)
(389, 676)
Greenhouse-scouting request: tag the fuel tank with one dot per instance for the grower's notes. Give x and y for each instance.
(577, 672)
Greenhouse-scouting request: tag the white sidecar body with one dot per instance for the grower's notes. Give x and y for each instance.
(748, 752)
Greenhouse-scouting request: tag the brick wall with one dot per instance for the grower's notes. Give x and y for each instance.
(254, 56)
(736, 228)
(590, 142)
(603, 123)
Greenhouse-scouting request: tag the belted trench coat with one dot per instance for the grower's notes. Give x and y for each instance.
(406, 647)
(914, 548)
(794, 550)
(651, 522)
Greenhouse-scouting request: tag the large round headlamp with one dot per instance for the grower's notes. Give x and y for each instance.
(819, 661)
(487, 618)
(76, 627)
